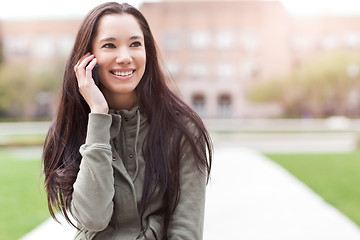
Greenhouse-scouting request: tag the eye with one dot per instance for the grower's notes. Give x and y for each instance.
(135, 44)
(108, 45)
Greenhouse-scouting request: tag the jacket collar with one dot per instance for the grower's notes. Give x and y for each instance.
(127, 118)
(131, 120)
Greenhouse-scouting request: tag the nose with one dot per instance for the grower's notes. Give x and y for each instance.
(123, 56)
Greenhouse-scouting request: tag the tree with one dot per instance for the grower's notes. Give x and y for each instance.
(22, 90)
(326, 86)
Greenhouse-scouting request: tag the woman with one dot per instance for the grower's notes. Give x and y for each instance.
(145, 156)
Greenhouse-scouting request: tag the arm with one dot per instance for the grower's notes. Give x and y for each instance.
(92, 204)
(188, 219)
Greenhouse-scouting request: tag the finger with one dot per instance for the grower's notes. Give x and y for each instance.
(91, 64)
(84, 56)
(80, 68)
(81, 60)
(76, 66)
(86, 61)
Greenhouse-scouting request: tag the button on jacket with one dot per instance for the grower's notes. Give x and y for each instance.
(109, 184)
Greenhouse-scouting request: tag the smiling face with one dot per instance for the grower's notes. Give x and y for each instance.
(119, 48)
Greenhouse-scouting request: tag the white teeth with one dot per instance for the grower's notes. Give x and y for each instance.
(123, 74)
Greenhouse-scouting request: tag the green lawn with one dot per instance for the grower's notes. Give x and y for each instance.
(22, 198)
(335, 177)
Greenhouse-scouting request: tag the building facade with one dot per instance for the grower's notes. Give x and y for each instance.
(39, 42)
(218, 50)
(215, 51)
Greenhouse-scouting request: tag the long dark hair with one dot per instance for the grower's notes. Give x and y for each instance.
(169, 119)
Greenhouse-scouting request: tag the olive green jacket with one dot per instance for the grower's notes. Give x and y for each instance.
(109, 185)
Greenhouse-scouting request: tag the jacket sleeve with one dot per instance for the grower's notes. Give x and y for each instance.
(92, 204)
(188, 219)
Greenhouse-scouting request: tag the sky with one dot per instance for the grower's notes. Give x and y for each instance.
(315, 7)
(25, 9)
(20, 9)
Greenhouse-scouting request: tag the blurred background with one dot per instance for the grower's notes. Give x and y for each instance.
(229, 59)
(281, 77)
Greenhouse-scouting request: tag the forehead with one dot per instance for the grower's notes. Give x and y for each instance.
(118, 26)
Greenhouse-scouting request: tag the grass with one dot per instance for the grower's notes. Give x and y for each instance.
(22, 140)
(22, 200)
(335, 177)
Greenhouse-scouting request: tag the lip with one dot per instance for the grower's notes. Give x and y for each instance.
(126, 77)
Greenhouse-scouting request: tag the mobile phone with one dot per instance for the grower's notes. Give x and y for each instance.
(95, 75)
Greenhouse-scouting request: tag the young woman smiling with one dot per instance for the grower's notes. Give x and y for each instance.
(127, 159)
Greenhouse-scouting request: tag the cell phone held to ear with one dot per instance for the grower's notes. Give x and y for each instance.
(95, 75)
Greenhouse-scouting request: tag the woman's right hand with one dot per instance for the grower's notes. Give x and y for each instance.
(87, 87)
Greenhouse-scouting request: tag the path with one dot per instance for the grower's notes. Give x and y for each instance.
(252, 198)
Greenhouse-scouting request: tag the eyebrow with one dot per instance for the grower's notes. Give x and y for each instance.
(108, 39)
(112, 39)
(135, 37)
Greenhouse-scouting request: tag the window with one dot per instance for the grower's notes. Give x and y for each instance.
(65, 44)
(198, 102)
(225, 40)
(249, 69)
(172, 42)
(173, 67)
(43, 47)
(200, 41)
(225, 70)
(16, 45)
(250, 42)
(198, 70)
(224, 105)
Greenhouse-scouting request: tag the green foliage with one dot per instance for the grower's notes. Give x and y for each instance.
(14, 90)
(22, 200)
(319, 88)
(332, 176)
(20, 86)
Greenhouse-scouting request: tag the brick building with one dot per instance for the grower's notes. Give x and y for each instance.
(214, 50)
(39, 42)
(217, 50)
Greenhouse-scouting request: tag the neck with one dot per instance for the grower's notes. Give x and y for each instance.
(121, 101)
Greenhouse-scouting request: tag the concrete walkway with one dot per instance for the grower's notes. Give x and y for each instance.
(252, 198)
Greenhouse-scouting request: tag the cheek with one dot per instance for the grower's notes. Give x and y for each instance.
(144, 59)
(101, 72)
(102, 59)
(141, 58)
